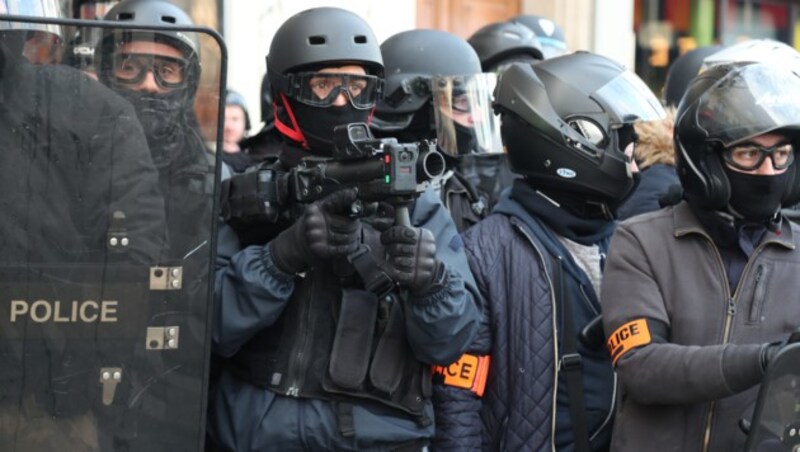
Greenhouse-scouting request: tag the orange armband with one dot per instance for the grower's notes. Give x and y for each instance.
(469, 372)
(627, 337)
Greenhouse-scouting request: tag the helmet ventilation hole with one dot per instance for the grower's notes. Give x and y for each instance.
(168, 19)
(360, 39)
(316, 40)
(125, 16)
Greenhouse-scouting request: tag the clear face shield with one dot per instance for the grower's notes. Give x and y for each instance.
(750, 101)
(43, 43)
(465, 122)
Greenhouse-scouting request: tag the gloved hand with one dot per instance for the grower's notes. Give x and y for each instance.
(412, 259)
(324, 231)
(769, 351)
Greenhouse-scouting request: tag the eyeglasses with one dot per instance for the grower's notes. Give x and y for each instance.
(321, 89)
(131, 68)
(749, 157)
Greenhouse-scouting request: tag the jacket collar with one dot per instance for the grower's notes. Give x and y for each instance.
(686, 223)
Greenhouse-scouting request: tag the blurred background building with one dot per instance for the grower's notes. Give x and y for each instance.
(646, 35)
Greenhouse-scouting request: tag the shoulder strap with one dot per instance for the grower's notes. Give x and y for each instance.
(571, 362)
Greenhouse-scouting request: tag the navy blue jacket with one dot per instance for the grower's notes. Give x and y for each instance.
(654, 183)
(250, 295)
(510, 254)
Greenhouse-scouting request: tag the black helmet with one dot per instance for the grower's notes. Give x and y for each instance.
(302, 46)
(318, 37)
(563, 121)
(412, 58)
(234, 98)
(50, 36)
(682, 71)
(500, 41)
(726, 105)
(549, 34)
(148, 13)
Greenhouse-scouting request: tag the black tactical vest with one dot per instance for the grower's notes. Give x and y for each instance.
(336, 341)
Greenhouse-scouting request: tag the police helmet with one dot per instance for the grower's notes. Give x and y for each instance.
(549, 34)
(321, 37)
(501, 41)
(148, 13)
(682, 71)
(726, 105)
(566, 122)
(236, 99)
(45, 42)
(412, 59)
(754, 51)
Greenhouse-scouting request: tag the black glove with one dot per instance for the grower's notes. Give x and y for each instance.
(768, 351)
(324, 231)
(412, 259)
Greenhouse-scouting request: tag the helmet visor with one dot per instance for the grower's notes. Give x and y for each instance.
(322, 89)
(749, 101)
(627, 100)
(465, 122)
(33, 8)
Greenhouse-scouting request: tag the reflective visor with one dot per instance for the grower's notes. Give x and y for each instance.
(34, 8)
(627, 99)
(465, 122)
(750, 101)
(321, 89)
(131, 69)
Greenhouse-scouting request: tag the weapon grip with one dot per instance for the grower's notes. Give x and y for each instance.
(401, 216)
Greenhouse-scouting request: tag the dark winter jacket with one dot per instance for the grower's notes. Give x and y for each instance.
(73, 155)
(251, 294)
(512, 254)
(655, 182)
(664, 267)
(466, 204)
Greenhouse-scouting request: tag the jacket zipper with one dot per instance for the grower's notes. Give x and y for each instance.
(589, 302)
(730, 312)
(555, 335)
(300, 355)
(758, 295)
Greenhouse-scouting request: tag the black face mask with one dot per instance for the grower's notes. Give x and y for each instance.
(466, 141)
(317, 123)
(756, 198)
(162, 118)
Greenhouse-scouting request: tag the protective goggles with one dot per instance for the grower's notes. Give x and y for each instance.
(321, 89)
(131, 69)
(749, 157)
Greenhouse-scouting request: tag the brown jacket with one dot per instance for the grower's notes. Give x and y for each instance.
(688, 391)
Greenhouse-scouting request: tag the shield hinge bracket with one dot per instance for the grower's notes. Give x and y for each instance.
(109, 378)
(166, 278)
(162, 337)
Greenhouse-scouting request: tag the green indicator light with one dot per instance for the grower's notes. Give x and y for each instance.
(388, 179)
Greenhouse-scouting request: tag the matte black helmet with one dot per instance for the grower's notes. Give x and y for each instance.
(148, 13)
(563, 121)
(549, 34)
(412, 59)
(500, 41)
(682, 71)
(727, 105)
(235, 98)
(321, 37)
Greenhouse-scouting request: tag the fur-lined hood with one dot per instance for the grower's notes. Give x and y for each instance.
(655, 143)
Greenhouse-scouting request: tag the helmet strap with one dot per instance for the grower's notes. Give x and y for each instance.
(293, 133)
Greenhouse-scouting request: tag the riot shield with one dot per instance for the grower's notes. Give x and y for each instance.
(107, 236)
(776, 420)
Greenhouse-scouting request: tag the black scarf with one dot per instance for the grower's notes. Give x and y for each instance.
(581, 229)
